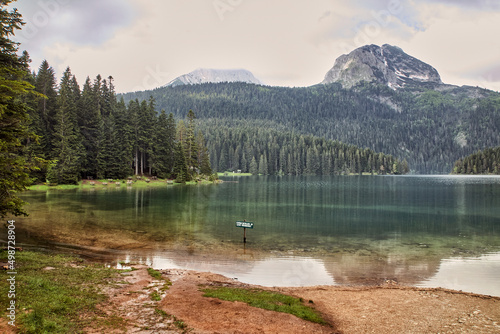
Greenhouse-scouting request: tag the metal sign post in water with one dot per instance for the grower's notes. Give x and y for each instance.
(245, 225)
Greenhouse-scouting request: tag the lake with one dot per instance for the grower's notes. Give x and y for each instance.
(428, 231)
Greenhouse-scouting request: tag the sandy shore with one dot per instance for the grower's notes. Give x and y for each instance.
(383, 309)
(387, 308)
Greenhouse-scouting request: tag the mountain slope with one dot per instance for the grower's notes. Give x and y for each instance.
(204, 75)
(387, 65)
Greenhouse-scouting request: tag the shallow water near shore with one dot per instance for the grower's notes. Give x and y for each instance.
(416, 230)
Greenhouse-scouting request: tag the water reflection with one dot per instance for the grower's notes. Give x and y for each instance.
(345, 230)
(462, 274)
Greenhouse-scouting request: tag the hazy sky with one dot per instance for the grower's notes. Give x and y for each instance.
(144, 44)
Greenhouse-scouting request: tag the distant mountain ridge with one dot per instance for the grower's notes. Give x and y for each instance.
(388, 65)
(206, 75)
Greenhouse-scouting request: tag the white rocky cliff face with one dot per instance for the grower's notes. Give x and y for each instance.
(388, 65)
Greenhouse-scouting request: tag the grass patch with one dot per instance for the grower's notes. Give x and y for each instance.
(267, 300)
(60, 300)
(180, 324)
(155, 296)
(162, 313)
(45, 187)
(155, 274)
(166, 286)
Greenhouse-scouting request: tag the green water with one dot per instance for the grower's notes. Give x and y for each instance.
(307, 230)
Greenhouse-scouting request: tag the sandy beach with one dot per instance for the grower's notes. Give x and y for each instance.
(382, 309)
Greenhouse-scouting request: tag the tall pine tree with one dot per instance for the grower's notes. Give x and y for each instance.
(68, 148)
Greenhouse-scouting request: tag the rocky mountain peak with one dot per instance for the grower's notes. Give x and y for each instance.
(206, 75)
(388, 65)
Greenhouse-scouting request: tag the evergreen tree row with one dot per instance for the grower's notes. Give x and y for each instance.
(482, 162)
(87, 133)
(270, 152)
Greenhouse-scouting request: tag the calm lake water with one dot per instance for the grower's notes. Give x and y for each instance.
(418, 230)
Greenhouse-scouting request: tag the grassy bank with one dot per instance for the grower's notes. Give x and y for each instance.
(267, 300)
(55, 293)
(113, 184)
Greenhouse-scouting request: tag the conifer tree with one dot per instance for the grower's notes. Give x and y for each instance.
(90, 124)
(45, 83)
(203, 155)
(123, 139)
(14, 120)
(190, 144)
(68, 146)
(254, 167)
(164, 148)
(263, 165)
(181, 170)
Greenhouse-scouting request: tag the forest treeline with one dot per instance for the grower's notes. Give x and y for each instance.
(483, 162)
(260, 150)
(87, 133)
(431, 127)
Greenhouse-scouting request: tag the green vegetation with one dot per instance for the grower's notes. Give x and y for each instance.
(431, 129)
(15, 89)
(481, 162)
(155, 274)
(274, 152)
(104, 184)
(266, 300)
(155, 296)
(56, 293)
(88, 134)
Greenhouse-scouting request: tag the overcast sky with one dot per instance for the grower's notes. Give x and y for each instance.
(144, 44)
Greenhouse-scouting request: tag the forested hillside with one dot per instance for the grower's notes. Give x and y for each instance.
(431, 127)
(262, 150)
(483, 162)
(87, 133)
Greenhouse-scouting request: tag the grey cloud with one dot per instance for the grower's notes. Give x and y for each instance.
(89, 22)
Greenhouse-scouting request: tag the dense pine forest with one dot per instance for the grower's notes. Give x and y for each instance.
(430, 126)
(483, 162)
(87, 133)
(261, 150)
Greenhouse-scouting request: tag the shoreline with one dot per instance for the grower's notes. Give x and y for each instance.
(116, 184)
(179, 305)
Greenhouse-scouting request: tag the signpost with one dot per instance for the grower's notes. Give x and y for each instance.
(245, 225)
